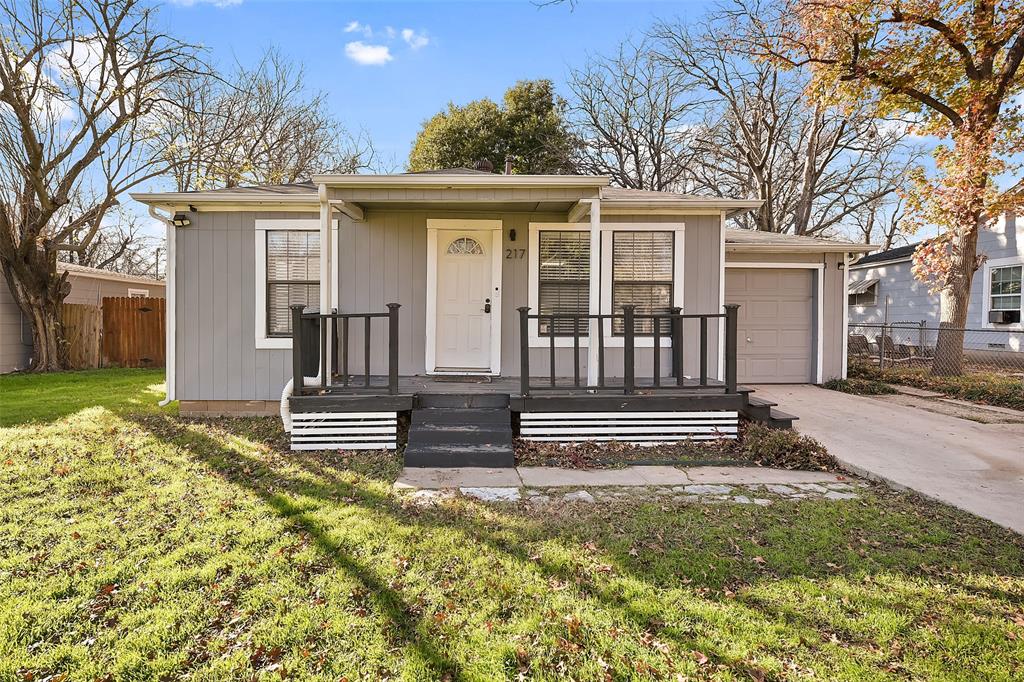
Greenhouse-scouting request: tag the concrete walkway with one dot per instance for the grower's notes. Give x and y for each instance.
(974, 466)
(634, 476)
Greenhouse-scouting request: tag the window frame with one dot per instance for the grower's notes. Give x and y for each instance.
(541, 282)
(676, 226)
(262, 225)
(652, 282)
(991, 266)
(873, 290)
(268, 282)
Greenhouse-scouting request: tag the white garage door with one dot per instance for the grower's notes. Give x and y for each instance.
(775, 324)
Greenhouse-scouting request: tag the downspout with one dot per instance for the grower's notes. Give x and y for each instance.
(170, 297)
(845, 334)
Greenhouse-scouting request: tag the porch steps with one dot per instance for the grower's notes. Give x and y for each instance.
(764, 411)
(467, 430)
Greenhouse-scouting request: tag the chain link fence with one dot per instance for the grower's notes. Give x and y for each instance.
(912, 344)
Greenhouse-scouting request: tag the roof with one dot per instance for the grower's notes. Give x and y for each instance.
(98, 273)
(621, 198)
(900, 253)
(741, 239)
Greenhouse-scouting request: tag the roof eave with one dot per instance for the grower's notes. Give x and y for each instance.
(682, 205)
(435, 180)
(836, 247)
(880, 263)
(198, 199)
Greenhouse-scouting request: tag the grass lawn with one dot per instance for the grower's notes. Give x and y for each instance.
(147, 546)
(987, 388)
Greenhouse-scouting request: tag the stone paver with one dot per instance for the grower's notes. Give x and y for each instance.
(976, 467)
(708, 489)
(536, 485)
(492, 494)
(554, 477)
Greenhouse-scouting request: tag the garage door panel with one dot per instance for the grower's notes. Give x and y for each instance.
(775, 323)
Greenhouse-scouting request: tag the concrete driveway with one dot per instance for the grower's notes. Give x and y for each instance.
(976, 467)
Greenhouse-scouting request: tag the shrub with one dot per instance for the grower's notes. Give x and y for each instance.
(784, 448)
(858, 386)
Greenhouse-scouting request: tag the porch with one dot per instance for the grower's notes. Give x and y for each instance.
(345, 344)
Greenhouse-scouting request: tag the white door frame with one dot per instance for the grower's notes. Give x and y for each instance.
(819, 331)
(496, 228)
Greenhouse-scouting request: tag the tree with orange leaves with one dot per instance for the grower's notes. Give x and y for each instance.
(950, 66)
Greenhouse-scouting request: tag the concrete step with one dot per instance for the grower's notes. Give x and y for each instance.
(781, 420)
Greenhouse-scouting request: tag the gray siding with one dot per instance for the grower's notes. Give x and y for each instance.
(380, 260)
(910, 301)
(15, 334)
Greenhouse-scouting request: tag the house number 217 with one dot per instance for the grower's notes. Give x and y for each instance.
(514, 254)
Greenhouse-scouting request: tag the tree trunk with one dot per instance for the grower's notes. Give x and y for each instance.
(953, 301)
(40, 303)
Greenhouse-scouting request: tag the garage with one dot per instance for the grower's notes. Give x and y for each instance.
(776, 323)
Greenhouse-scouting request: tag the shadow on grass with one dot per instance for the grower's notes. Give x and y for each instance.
(720, 532)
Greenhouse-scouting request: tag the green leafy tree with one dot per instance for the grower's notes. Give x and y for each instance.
(528, 127)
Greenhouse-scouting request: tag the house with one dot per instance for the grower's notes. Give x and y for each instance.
(883, 290)
(474, 292)
(89, 286)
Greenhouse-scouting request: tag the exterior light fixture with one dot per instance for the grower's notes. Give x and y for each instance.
(512, 235)
(181, 220)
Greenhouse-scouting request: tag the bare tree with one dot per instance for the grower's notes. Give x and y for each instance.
(629, 112)
(83, 83)
(120, 245)
(815, 166)
(257, 125)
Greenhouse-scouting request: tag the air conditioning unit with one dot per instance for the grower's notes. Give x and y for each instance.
(1004, 316)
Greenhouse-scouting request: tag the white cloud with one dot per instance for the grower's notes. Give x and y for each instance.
(368, 55)
(415, 40)
(389, 31)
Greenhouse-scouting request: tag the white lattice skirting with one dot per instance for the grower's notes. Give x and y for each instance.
(642, 428)
(344, 430)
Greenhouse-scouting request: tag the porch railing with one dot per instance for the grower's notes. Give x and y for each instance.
(672, 320)
(311, 344)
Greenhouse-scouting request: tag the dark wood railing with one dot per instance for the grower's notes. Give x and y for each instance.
(672, 320)
(306, 347)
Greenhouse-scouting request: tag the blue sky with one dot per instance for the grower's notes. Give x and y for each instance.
(451, 51)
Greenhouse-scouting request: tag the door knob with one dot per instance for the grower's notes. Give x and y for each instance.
(748, 340)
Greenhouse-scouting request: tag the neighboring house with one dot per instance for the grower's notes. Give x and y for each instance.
(88, 286)
(883, 289)
(462, 252)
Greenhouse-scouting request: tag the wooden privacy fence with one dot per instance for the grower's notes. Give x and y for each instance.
(133, 331)
(82, 328)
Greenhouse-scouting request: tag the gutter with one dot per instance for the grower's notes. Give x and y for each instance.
(878, 264)
(170, 328)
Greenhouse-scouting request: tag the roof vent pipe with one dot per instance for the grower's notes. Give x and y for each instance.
(508, 165)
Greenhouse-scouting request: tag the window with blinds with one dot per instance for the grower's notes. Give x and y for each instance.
(293, 276)
(564, 279)
(642, 267)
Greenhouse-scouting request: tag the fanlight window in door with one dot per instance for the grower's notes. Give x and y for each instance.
(465, 246)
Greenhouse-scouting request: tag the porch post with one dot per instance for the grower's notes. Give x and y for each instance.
(596, 327)
(326, 257)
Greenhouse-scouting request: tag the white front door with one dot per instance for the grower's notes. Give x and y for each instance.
(464, 295)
